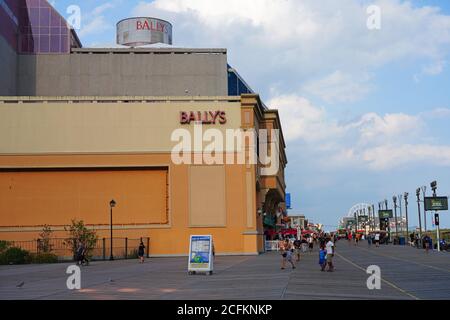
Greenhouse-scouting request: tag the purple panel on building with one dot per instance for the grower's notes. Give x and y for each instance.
(34, 26)
(9, 21)
(41, 28)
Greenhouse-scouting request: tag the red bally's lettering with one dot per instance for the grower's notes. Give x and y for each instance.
(205, 117)
(184, 118)
(161, 27)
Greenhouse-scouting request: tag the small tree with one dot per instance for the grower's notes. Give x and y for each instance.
(78, 232)
(44, 245)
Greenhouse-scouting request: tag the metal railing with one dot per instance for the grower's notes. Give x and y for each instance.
(123, 248)
(272, 246)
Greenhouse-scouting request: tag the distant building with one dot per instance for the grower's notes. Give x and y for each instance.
(298, 220)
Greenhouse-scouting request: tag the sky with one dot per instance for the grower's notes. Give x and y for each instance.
(365, 111)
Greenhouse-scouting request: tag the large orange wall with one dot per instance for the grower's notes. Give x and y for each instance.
(123, 186)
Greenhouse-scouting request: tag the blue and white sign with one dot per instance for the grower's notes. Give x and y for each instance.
(201, 254)
(288, 201)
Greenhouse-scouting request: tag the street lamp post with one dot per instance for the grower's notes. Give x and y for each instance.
(434, 187)
(406, 212)
(112, 204)
(389, 220)
(424, 191)
(394, 199)
(418, 208)
(399, 198)
(373, 213)
(380, 205)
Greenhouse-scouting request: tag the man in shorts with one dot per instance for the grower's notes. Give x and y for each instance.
(286, 254)
(330, 254)
(377, 239)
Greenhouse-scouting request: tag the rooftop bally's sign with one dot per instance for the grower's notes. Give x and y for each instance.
(141, 31)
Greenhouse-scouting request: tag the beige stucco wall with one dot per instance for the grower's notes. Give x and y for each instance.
(114, 127)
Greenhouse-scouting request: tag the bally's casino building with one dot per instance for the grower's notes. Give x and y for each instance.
(81, 126)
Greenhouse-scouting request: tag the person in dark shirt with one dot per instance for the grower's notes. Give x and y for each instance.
(80, 253)
(141, 251)
(297, 249)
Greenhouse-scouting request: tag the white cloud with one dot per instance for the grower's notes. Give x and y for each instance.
(314, 44)
(340, 87)
(435, 68)
(438, 113)
(96, 25)
(302, 120)
(391, 156)
(373, 127)
(95, 22)
(102, 8)
(377, 142)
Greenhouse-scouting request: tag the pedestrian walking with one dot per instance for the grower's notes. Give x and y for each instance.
(330, 254)
(304, 245)
(377, 239)
(310, 244)
(297, 248)
(81, 254)
(349, 238)
(141, 251)
(369, 240)
(322, 258)
(428, 242)
(286, 254)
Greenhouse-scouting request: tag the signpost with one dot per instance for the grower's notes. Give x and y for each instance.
(363, 218)
(385, 214)
(201, 258)
(350, 223)
(436, 204)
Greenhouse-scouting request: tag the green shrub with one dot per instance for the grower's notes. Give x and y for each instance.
(43, 258)
(15, 256)
(4, 245)
(44, 245)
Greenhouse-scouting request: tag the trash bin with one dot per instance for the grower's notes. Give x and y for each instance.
(402, 241)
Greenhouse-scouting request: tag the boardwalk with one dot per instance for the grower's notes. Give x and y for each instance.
(407, 273)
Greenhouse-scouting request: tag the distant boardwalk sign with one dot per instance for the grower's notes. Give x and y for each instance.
(134, 32)
(436, 204)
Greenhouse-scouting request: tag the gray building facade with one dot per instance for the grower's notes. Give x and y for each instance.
(34, 64)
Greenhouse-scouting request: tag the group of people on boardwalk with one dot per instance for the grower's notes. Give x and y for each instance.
(293, 249)
(356, 238)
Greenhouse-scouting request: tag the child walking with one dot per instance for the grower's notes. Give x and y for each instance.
(323, 257)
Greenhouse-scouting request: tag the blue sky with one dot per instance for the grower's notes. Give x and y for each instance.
(366, 113)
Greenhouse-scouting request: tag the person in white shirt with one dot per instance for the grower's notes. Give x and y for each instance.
(377, 239)
(330, 254)
(311, 243)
